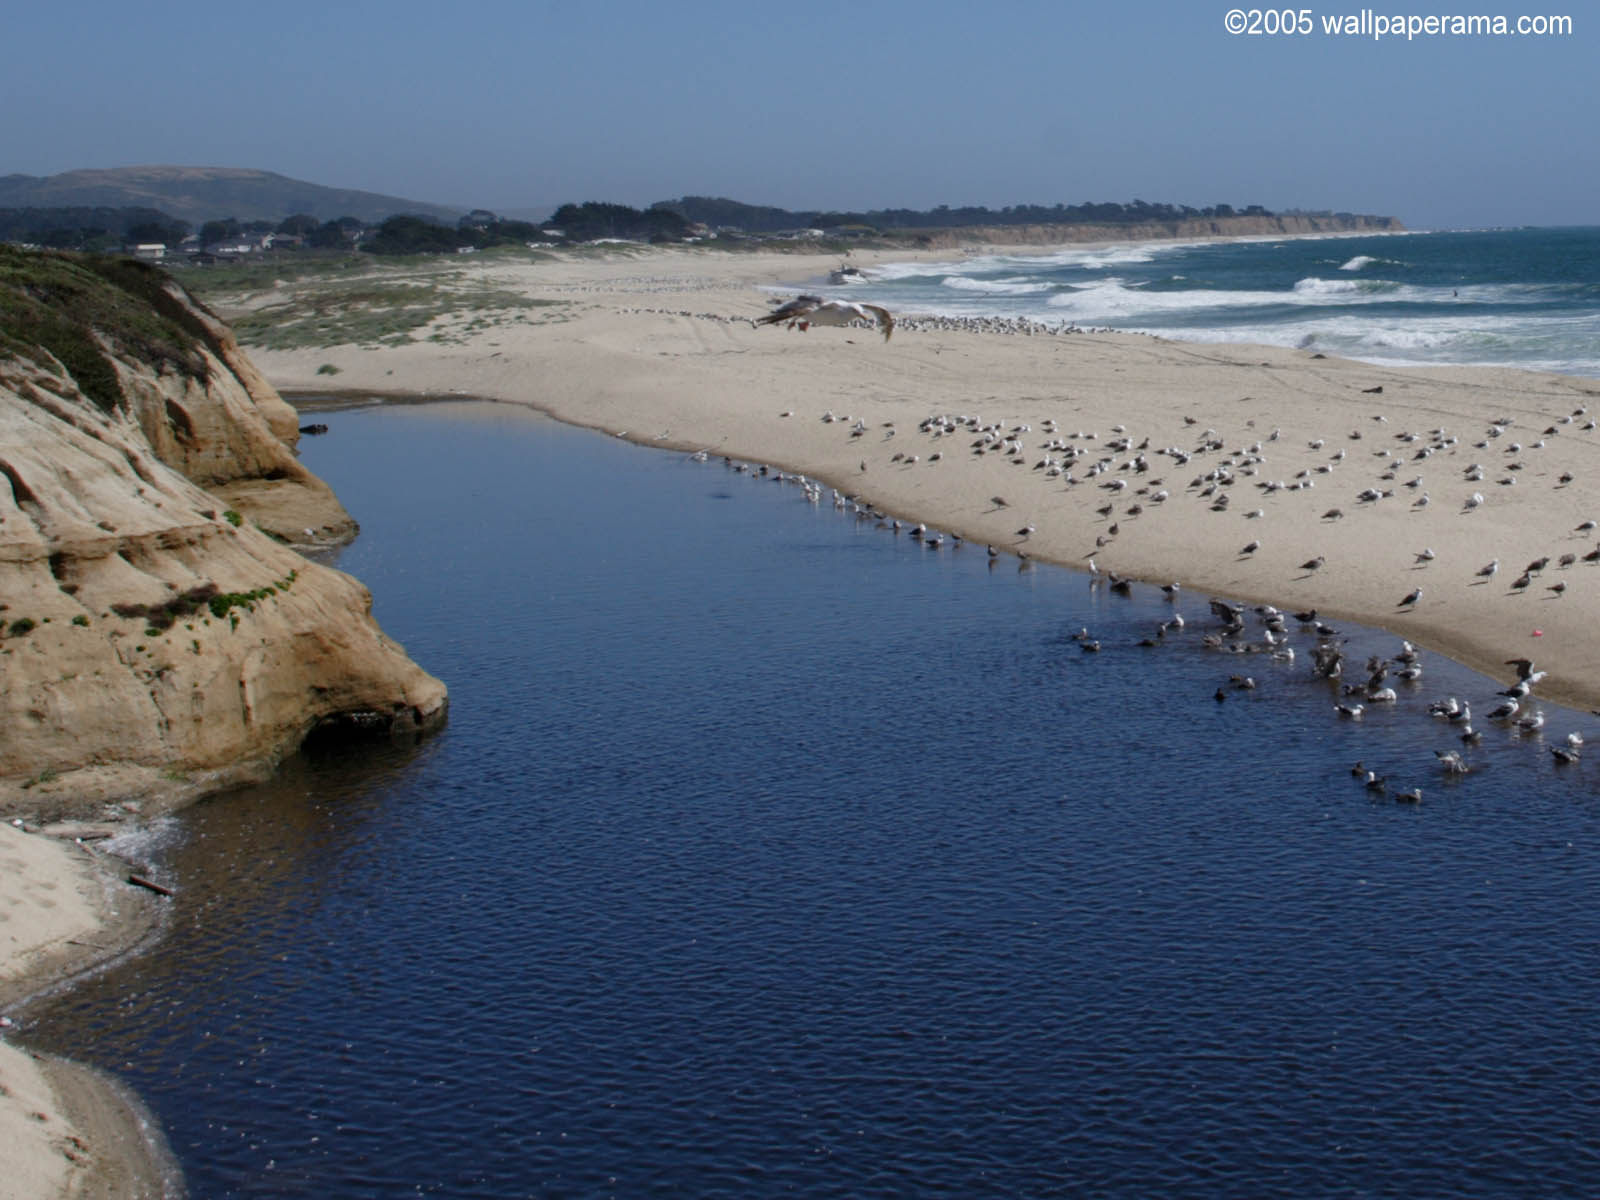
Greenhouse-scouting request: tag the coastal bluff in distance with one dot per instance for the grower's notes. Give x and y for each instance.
(1195, 228)
(159, 636)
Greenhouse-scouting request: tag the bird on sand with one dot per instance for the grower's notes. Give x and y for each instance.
(1411, 599)
(805, 311)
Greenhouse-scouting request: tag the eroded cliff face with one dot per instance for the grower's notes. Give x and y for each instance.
(157, 639)
(1209, 227)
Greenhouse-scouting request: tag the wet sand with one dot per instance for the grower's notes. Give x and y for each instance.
(67, 1129)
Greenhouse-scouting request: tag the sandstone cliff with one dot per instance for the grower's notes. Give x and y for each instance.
(158, 637)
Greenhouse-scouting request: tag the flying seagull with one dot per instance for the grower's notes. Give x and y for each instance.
(806, 311)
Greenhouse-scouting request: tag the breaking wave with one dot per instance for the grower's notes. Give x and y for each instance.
(1509, 298)
(1014, 286)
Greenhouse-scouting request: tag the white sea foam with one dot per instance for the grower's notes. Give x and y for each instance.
(1113, 297)
(141, 843)
(1344, 288)
(900, 272)
(1422, 340)
(1016, 285)
(1353, 306)
(1122, 302)
(1362, 261)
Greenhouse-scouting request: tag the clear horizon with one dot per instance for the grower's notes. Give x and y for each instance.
(512, 107)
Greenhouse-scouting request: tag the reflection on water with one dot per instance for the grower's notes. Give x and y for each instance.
(765, 851)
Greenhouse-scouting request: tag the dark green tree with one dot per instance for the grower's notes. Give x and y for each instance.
(298, 225)
(414, 235)
(213, 232)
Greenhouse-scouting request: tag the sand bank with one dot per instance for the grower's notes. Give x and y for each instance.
(659, 348)
(68, 1131)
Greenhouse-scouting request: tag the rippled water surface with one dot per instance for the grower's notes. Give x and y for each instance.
(766, 852)
(1503, 297)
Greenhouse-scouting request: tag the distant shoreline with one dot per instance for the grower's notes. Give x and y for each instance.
(1201, 229)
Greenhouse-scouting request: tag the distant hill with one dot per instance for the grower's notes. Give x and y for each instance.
(199, 194)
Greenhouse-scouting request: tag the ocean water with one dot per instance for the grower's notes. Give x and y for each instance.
(768, 852)
(1521, 298)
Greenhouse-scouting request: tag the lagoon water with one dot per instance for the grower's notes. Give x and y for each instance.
(768, 852)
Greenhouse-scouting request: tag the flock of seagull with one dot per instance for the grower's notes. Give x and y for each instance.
(1357, 689)
(1129, 475)
(1123, 468)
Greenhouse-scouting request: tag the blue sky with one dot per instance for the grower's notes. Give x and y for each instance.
(821, 104)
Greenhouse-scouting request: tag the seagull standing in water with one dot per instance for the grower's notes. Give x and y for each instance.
(805, 311)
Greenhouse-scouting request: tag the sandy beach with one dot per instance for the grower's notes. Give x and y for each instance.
(1392, 479)
(69, 1131)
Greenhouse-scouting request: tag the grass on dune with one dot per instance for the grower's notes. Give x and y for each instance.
(386, 307)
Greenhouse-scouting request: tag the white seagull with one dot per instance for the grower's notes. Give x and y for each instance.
(806, 311)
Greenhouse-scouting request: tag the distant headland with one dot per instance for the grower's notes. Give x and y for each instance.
(239, 211)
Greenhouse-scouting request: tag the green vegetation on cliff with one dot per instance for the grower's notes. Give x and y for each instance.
(68, 303)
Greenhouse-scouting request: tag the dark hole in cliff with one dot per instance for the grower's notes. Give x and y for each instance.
(180, 421)
(20, 490)
(57, 561)
(337, 730)
(276, 473)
